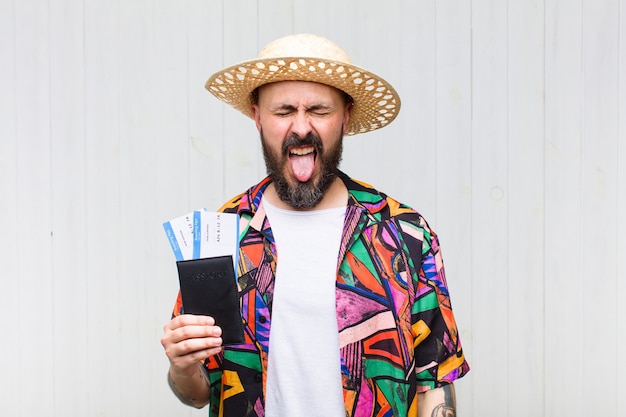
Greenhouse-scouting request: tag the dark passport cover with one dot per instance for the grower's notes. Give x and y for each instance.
(208, 287)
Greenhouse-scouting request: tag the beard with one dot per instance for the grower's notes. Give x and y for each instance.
(303, 195)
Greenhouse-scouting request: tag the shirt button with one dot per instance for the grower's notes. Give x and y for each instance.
(258, 377)
(262, 319)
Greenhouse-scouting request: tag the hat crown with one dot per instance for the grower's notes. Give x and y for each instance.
(304, 45)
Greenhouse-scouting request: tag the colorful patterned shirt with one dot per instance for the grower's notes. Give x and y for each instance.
(397, 333)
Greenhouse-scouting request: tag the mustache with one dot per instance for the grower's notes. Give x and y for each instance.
(295, 140)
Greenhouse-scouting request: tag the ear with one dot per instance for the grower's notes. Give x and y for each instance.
(256, 115)
(346, 115)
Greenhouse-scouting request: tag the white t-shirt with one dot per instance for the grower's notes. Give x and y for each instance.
(304, 369)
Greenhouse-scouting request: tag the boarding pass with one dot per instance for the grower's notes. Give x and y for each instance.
(204, 234)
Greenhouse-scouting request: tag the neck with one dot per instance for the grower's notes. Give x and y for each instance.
(336, 196)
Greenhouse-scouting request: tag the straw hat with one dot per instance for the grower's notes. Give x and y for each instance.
(306, 57)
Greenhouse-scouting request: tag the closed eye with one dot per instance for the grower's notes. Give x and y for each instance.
(284, 110)
(320, 110)
(316, 110)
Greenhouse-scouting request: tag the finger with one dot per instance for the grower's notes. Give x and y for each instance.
(185, 339)
(191, 359)
(188, 326)
(189, 346)
(184, 353)
(189, 320)
(193, 332)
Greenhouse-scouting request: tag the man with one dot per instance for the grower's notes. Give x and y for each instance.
(350, 281)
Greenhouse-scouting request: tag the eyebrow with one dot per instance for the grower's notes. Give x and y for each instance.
(310, 108)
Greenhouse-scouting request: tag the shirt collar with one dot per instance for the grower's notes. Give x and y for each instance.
(360, 195)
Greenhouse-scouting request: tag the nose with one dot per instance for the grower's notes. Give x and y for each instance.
(301, 125)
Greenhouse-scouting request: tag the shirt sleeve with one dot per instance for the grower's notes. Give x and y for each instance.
(438, 352)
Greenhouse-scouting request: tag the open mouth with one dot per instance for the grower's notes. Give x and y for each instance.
(302, 160)
(304, 150)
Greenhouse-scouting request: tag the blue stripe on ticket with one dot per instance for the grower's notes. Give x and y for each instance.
(197, 233)
(171, 236)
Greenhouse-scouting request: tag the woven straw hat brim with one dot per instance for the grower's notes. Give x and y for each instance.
(376, 102)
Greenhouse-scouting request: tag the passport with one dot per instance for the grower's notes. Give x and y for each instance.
(208, 287)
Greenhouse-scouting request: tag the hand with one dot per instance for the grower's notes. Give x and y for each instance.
(188, 339)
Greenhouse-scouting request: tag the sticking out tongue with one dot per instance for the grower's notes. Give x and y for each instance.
(303, 166)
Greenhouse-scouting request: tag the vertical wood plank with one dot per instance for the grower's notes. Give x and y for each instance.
(9, 208)
(563, 238)
(525, 242)
(179, 176)
(370, 156)
(243, 159)
(276, 19)
(34, 312)
(149, 105)
(489, 207)
(314, 17)
(600, 64)
(376, 40)
(67, 124)
(206, 144)
(453, 166)
(413, 140)
(103, 237)
(621, 209)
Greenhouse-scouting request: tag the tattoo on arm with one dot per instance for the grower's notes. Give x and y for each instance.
(187, 399)
(174, 387)
(448, 407)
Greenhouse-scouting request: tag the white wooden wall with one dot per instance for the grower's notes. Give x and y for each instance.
(511, 141)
